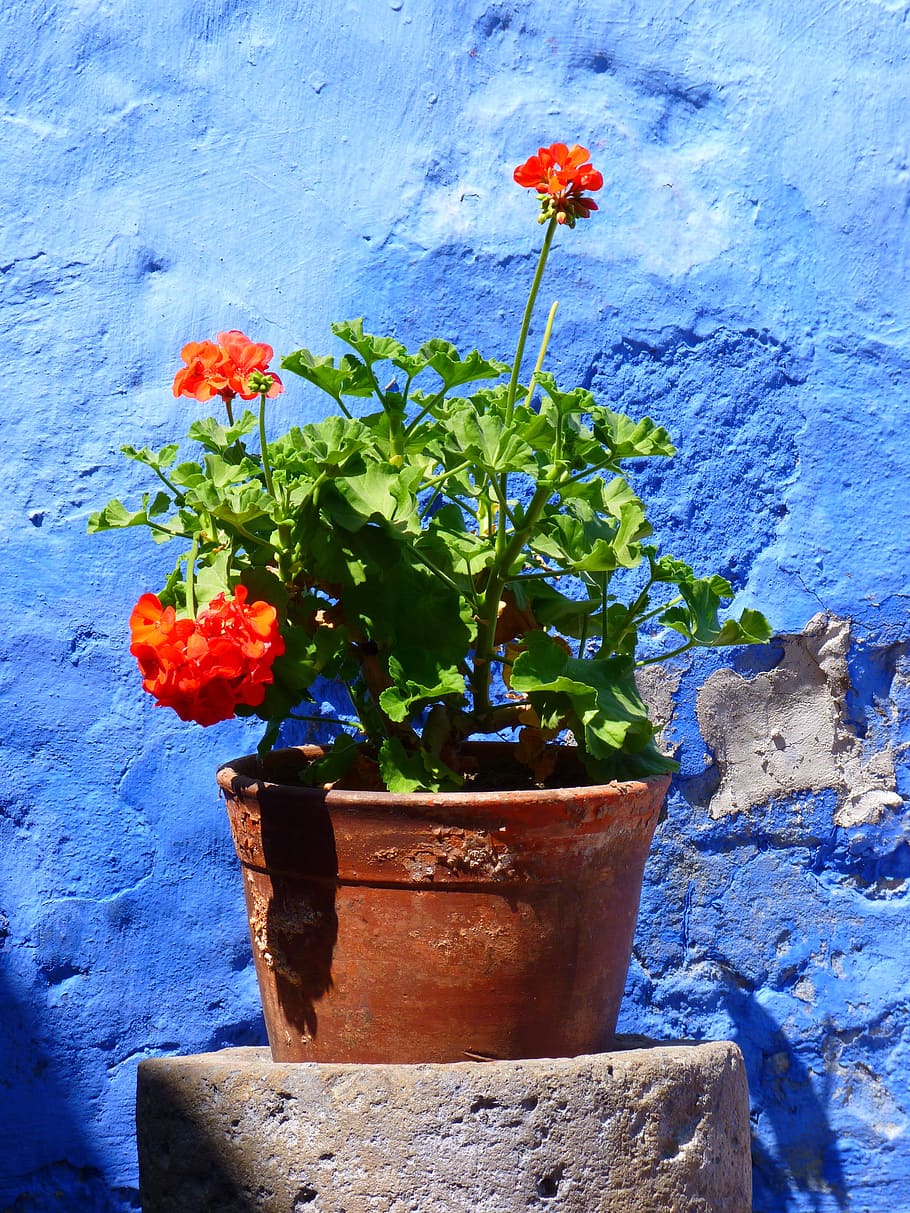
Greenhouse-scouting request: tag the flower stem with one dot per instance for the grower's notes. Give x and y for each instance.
(284, 531)
(178, 496)
(191, 577)
(526, 319)
(344, 408)
(489, 613)
(427, 408)
(683, 648)
(543, 350)
(516, 370)
(264, 448)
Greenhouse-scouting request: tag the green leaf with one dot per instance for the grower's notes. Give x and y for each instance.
(579, 540)
(221, 471)
(402, 607)
(597, 698)
(159, 504)
(187, 474)
(669, 569)
(697, 617)
(419, 771)
(114, 516)
(629, 764)
(237, 505)
(550, 608)
(217, 438)
(335, 763)
(451, 546)
(417, 681)
(452, 369)
(537, 428)
(489, 443)
(629, 439)
(323, 446)
(379, 492)
(751, 628)
(263, 585)
(371, 349)
(212, 576)
(349, 378)
(578, 400)
(160, 460)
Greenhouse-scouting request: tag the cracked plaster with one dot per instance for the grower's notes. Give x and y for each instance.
(786, 731)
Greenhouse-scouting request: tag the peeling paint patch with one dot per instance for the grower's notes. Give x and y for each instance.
(787, 730)
(658, 685)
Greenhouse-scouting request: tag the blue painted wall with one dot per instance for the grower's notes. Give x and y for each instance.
(173, 170)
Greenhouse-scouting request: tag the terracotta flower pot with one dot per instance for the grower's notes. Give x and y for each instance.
(438, 926)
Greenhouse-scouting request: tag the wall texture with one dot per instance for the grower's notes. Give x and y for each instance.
(171, 170)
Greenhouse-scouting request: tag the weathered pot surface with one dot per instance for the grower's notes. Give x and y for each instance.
(438, 926)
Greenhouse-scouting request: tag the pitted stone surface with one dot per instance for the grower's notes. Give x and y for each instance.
(663, 1128)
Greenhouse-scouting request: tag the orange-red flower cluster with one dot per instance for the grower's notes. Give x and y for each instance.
(223, 368)
(204, 667)
(560, 175)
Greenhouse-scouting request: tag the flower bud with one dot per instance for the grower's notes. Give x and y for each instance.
(259, 383)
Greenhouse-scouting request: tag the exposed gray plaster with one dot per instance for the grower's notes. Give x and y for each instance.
(657, 685)
(786, 731)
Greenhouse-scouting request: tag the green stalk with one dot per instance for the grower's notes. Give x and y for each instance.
(486, 626)
(163, 530)
(659, 610)
(191, 577)
(526, 319)
(516, 367)
(264, 448)
(434, 480)
(543, 350)
(427, 408)
(508, 548)
(178, 496)
(341, 404)
(683, 648)
(605, 582)
(583, 637)
(284, 530)
(344, 720)
(397, 432)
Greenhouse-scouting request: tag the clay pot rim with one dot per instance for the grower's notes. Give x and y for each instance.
(236, 781)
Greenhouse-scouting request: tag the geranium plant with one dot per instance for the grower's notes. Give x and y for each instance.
(455, 546)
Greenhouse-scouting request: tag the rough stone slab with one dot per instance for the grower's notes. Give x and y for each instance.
(660, 1129)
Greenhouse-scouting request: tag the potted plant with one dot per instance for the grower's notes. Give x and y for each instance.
(458, 550)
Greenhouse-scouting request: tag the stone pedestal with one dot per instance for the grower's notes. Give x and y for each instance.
(656, 1129)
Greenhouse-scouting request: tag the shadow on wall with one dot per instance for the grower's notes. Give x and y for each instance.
(52, 1166)
(806, 1154)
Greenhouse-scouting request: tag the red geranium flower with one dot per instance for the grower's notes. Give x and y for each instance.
(203, 376)
(561, 175)
(205, 667)
(242, 358)
(224, 369)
